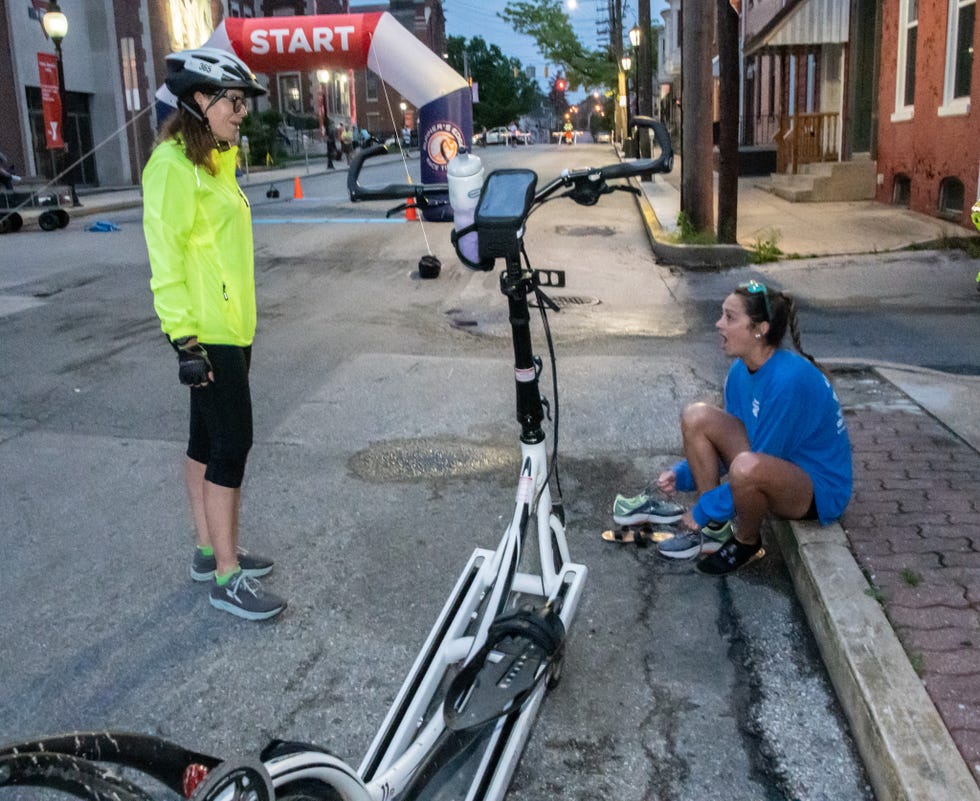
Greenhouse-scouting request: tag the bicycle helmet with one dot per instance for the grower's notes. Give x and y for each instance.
(209, 70)
(975, 215)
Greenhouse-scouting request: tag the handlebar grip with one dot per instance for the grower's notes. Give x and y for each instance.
(664, 163)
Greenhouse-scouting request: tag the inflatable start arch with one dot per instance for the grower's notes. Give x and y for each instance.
(378, 42)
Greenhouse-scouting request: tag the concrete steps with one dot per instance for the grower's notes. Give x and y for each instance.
(826, 181)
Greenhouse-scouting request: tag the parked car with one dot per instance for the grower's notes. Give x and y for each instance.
(603, 138)
(501, 136)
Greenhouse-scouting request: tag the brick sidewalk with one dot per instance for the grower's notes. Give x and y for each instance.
(914, 527)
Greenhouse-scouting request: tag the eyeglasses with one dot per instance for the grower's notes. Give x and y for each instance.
(238, 103)
(757, 288)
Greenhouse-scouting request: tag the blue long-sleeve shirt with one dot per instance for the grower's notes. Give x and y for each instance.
(790, 411)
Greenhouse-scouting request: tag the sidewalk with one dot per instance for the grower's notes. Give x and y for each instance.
(892, 592)
(800, 229)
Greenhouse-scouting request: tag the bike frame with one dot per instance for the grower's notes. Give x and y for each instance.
(492, 583)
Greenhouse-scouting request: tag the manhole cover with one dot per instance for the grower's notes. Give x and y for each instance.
(413, 459)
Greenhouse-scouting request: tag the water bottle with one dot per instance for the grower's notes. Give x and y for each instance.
(465, 175)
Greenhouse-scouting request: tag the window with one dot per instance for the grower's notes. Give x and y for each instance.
(908, 35)
(959, 57)
(290, 101)
(901, 190)
(371, 86)
(951, 198)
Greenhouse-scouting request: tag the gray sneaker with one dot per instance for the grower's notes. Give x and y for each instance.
(243, 596)
(689, 544)
(643, 508)
(202, 567)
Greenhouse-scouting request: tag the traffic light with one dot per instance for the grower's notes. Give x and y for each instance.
(561, 84)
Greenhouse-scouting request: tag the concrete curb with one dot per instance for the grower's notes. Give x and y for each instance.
(690, 257)
(906, 748)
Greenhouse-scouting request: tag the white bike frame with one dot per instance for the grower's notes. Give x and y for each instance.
(414, 721)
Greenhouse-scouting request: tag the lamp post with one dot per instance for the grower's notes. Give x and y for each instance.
(56, 27)
(626, 62)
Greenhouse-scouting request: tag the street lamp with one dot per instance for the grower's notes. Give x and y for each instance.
(56, 27)
(626, 62)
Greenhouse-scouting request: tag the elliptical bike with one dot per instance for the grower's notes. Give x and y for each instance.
(459, 723)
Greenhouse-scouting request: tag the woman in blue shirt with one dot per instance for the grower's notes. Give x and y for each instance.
(781, 437)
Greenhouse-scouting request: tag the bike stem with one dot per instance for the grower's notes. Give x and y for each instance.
(514, 283)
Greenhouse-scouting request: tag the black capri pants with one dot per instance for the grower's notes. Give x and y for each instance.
(221, 417)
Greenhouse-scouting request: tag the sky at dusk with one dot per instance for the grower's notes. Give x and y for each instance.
(471, 18)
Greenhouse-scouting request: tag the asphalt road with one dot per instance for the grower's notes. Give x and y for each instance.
(364, 378)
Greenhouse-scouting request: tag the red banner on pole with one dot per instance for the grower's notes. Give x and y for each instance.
(47, 67)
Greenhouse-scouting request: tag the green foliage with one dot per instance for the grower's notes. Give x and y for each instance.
(766, 247)
(911, 578)
(506, 92)
(689, 234)
(547, 22)
(262, 141)
(918, 662)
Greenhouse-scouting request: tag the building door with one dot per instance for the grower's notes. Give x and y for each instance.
(78, 137)
(862, 78)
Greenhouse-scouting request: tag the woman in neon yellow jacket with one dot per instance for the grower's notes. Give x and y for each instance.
(198, 229)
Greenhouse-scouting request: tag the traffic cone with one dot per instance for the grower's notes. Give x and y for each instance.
(410, 212)
(297, 189)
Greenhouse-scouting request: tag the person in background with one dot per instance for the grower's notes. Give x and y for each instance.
(8, 176)
(198, 228)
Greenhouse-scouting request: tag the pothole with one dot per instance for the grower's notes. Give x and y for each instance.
(414, 459)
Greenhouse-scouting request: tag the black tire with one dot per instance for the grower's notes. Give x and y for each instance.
(49, 220)
(62, 216)
(307, 790)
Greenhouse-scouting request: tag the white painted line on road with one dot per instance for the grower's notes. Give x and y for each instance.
(318, 220)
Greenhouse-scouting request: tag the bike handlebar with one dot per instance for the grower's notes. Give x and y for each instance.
(420, 193)
(587, 184)
(585, 180)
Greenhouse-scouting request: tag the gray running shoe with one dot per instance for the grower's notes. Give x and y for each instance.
(243, 596)
(689, 544)
(645, 509)
(202, 568)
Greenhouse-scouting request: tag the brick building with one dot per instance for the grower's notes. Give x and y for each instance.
(928, 149)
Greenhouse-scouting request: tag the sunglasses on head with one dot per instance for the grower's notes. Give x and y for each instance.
(758, 288)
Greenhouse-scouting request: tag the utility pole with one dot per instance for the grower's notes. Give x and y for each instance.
(728, 73)
(697, 178)
(644, 74)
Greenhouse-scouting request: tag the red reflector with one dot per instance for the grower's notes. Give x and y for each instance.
(194, 774)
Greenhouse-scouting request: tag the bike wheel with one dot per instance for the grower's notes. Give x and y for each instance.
(308, 790)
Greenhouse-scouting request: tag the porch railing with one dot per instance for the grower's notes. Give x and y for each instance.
(805, 139)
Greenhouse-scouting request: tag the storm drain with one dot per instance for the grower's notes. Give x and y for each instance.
(571, 301)
(415, 459)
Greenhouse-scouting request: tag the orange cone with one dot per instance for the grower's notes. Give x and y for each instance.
(410, 212)
(297, 189)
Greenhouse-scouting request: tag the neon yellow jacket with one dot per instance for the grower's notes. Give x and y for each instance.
(198, 230)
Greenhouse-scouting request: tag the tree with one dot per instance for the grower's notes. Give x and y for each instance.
(548, 24)
(506, 93)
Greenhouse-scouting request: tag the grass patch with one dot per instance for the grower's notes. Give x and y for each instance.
(688, 234)
(766, 247)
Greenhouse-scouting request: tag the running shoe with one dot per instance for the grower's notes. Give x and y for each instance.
(243, 596)
(202, 567)
(645, 509)
(730, 557)
(688, 544)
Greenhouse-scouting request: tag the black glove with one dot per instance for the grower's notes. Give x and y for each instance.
(193, 365)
